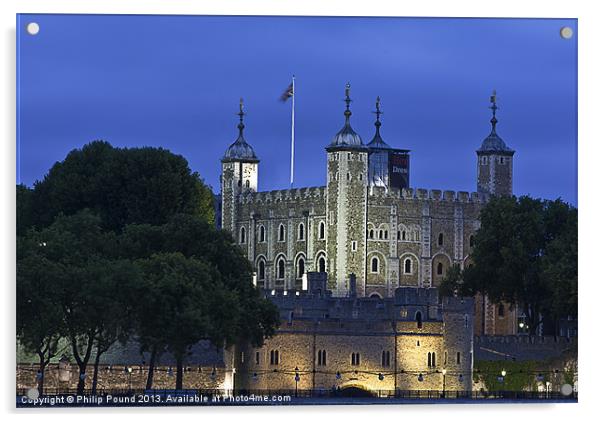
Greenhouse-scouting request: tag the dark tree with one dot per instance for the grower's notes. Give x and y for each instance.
(39, 314)
(122, 186)
(91, 288)
(525, 253)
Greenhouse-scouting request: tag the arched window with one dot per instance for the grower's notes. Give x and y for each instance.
(440, 269)
(403, 235)
(380, 234)
(375, 265)
(243, 235)
(247, 184)
(407, 266)
(261, 233)
(281, 233)
(371, 234)
(280, 269)
(261, 270)
(418, 319)
(398, 235)
(322, 264)
(428, 360)
(321, 230)
(386, 234)
(440, 239)
(500, 310)
(300, 267)
(301, 233)
(433, 359)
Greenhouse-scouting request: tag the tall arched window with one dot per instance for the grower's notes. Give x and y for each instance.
(274, 357)
(440, 239)
(261, 233)
(300, 267)
(403, 235)
(418, 319)
(440, 269)
(371, 234)
(301, 232)
(407, 266)
(321, 230)
(322, 264)
(380, 234)
(428, 360)
(281, 233)
(374, 265)
(386, 358)
(243, 235)
(398, 235)
(261, 270)
(386, 234)
(247, 184)
(280, 269)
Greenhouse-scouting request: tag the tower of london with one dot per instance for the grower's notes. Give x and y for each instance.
(367, 220)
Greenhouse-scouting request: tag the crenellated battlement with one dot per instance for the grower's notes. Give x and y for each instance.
(430, 195)
(283, 195)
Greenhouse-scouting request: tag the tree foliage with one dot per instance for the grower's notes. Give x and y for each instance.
(525, 253)
(121, 185)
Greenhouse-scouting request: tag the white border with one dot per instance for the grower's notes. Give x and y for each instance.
(589, 193)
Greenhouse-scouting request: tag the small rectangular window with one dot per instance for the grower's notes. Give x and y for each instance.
(256, 358)
(354, 246)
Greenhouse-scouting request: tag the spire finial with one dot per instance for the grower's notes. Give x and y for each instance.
(493, 108)
(378, 113)
(241, 114)
(347, 101)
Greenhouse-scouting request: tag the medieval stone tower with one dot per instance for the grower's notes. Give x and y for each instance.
(239, 174)
(346, 201)
(494, 161)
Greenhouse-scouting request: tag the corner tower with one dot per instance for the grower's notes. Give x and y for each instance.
(494, 161)
(240, 166)
(346, 203)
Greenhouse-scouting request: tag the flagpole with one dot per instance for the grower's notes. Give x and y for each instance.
(293, 134)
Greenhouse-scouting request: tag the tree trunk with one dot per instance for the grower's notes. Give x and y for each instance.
(96, 363)
(42, 370)
(151, 368)
(81, 382)
(179, 371)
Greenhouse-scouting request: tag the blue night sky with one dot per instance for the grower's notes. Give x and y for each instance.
(175, 82)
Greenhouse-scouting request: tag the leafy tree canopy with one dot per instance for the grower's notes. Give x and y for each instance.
(121, 185)
(525, 253)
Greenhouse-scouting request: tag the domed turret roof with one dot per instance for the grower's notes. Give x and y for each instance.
(240, 150)
(377, 141)
(347, 137)
(493, 143)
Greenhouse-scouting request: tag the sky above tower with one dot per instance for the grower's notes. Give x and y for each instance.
(176, 81)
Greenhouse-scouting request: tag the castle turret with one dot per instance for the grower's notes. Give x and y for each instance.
(494, 161)
(239, 174)
(346, 206)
